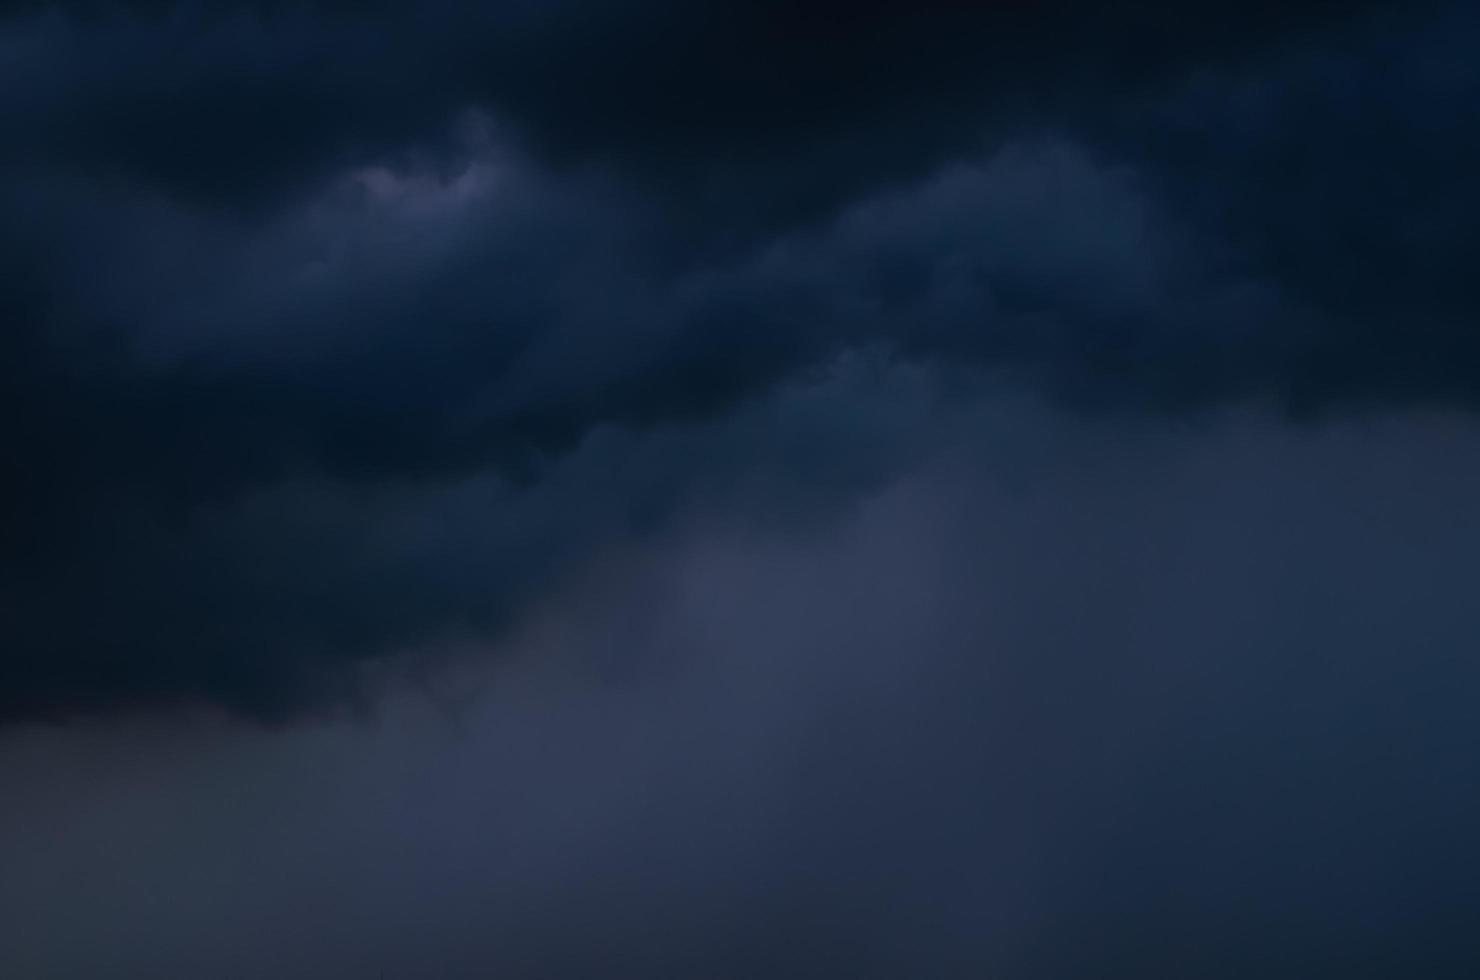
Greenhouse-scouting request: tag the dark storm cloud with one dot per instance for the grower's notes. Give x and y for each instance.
(210, 487)
(236, 101)
(285, 280)
(1029, 713)
(1343, 172)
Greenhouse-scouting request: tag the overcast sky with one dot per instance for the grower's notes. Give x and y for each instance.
(630, 488)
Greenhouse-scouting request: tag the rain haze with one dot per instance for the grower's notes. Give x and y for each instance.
(629, 489)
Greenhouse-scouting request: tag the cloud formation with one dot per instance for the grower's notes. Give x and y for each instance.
(1074, 699)
(334, 333)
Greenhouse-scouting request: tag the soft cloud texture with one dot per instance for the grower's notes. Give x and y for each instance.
(1106, 702)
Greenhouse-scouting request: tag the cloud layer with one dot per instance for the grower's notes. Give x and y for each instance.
(337, 334)
(1104, 702)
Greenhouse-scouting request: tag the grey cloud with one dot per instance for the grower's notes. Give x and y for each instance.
(736, 490)
(1148, 702)
(419, 289)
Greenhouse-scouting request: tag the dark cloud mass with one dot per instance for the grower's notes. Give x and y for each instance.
(342, 345)
(273, 94)
(1022, 714)
(301, 251)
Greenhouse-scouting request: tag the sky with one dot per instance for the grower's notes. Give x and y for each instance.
(637, 489)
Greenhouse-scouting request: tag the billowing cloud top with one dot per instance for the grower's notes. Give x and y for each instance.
(337, 333)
